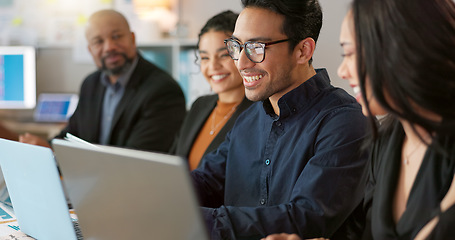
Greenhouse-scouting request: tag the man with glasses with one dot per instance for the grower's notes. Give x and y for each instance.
(291, 163)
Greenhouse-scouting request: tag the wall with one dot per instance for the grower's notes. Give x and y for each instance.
(195, 12)
(328, 50)
(57, 72)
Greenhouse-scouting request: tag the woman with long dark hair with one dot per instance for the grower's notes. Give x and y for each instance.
(399, 57)
(211, 117)
(405, 60)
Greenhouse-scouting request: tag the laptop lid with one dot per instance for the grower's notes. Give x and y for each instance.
(129, 194)
(36, 192)
(53, 107)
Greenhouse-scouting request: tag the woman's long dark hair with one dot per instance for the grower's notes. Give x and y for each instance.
(406, 48)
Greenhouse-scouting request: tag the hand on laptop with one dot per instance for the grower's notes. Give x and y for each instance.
(34, 140)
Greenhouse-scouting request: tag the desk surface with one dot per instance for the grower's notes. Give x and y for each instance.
(9, 228)
(45, 130)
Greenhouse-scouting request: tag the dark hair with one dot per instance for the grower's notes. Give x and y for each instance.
(222, 22)
(407, 51)
(302, 18)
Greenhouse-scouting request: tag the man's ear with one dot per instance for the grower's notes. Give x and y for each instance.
(133, 36)
(305, 50)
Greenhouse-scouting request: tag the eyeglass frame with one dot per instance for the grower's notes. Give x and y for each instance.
(242, 46)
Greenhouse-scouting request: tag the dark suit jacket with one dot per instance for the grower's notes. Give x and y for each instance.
(147, 117)
(194, 121)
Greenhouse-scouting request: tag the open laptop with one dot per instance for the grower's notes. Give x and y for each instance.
(129, 194)
(55, 107)
(36, 192)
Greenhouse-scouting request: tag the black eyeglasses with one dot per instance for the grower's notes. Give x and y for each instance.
(255, 51)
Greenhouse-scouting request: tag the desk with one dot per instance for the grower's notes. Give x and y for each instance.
(44, 130)
(13, 234)
(9, 228)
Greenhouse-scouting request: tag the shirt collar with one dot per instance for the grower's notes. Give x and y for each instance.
(299, 97)
(123, 79)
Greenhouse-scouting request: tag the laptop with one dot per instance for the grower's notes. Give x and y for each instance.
(35, 190)
(121, 193)
(55, 107)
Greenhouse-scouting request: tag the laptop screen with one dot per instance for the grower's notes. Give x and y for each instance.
(129, 194)
(55, 107)
(36, 192)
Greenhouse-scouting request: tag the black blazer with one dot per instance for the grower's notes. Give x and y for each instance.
(147, 117)
(194, 121)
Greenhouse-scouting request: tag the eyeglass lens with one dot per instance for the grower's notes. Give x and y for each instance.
(253, 50)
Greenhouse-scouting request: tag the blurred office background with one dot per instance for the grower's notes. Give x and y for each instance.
(166, 33)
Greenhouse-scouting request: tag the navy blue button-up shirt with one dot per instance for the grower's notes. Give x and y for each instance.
(297, 173)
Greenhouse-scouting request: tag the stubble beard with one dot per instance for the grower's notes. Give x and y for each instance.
(280, 83)
(115, 71)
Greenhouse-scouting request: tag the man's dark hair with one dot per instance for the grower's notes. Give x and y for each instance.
(302, 18)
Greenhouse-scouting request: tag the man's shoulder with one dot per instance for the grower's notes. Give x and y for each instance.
(318, 94)
(147, 75)
(333, 108)
(334, 98)
(340, 107)
(91, 80)
(152, 71)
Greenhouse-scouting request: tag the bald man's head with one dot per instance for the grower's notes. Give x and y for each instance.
(110, 41)
(106, 15)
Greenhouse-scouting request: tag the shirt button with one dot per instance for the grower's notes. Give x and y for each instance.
(267, 162)
(278, 124)
(294, 110)
(262, 201)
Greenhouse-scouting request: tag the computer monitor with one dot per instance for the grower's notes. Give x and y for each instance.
(17, 77)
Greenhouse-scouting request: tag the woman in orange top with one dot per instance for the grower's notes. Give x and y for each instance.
(211, 117)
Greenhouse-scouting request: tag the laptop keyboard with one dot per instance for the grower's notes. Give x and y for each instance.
(77, 229)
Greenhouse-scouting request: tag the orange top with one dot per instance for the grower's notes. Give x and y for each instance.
(215, 122)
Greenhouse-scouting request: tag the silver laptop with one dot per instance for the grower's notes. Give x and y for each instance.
(35, 189)
(128, 194)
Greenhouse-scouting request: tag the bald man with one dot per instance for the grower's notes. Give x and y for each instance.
(128, 102)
